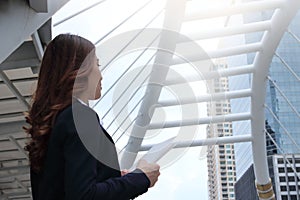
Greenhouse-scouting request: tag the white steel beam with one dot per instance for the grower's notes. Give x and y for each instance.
(24, 56)
(39, 5)
(235, 9)
(280, 21)
(18, 182)
(13, 89)
(7, 128)
(19, 167)
(173, 17)
(199, 34)
(206, 98)
(38, 45)
(205, 120)
(19, 172)
(208, 141)
(19, 16)
(224, 52)
(15, 195)
(19, 147)
(232, 71)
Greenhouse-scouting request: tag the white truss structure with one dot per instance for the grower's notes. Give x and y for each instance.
(20, 57)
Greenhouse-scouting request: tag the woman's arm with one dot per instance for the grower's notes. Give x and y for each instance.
(81, 172)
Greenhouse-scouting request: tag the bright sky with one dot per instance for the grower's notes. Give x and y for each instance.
(186, 177)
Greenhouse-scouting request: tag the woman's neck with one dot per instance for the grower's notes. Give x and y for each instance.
(84, 99)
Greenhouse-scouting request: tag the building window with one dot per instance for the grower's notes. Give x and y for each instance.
(284, 197)
(280, 161)
(281, 170)
(290, 169)
(282, 179)
(292, 188)
(294, 197)
(291, 178)
(283, 188)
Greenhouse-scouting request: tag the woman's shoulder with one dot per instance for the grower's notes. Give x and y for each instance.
(74, 110)
(74, 116)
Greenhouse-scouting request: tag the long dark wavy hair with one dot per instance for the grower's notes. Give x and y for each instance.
(65, 59)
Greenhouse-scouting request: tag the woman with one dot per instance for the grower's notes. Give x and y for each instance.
(71, 155)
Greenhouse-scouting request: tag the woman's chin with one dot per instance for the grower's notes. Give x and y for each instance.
(96, 97)
(93, 101)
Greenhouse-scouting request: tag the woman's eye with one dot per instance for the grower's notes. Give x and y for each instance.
(98, 63)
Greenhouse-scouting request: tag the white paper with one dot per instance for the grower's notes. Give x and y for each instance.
(159, 150)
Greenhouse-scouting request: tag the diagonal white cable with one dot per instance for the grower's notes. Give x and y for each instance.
(137, 89)
(116, 101)
(133, 38)
(285, 98)
(283, 127)
(78, 13)
(119, 125)
(121, 23)
(122, 149)
(293, 35)
(129, 66)
(119, 78)
(287, 66)
(126, 129)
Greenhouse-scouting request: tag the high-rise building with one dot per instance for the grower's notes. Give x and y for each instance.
(243, 151)
(220, 158)
(285, 181)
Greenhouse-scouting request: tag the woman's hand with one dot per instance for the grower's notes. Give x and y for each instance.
(124, 172)
(150, 169)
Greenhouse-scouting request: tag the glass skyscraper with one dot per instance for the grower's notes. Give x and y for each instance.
(283, 91)
(282, 105)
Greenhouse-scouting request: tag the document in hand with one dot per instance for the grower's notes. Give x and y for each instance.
(157, 151)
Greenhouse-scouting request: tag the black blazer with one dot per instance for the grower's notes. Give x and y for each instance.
(81, 162)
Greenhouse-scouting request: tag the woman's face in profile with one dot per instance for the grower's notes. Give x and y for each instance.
(94, 80)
